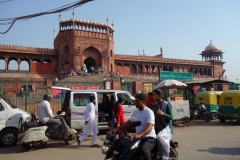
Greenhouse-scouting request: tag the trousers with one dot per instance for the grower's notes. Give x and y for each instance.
(163, 142)
(94, 138)
(54, 125)
(146, 147)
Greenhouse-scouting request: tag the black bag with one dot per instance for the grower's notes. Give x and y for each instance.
(113, 122)
(159, 119)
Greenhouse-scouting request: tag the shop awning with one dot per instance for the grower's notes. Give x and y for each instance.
(215, 81)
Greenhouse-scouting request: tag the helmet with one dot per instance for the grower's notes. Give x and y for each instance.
(47, 97)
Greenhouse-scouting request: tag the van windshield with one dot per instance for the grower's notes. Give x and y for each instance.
(6, 101)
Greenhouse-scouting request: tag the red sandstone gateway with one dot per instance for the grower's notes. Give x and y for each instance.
(80, 42)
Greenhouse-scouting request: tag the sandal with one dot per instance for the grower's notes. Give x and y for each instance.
(79, 142)
(95, 145)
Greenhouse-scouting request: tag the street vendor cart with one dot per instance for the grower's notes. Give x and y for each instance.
(180, 107)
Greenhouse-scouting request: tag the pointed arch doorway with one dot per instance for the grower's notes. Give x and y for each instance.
(89, 62)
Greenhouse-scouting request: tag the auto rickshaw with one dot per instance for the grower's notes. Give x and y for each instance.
(229, 106)
(210, 100)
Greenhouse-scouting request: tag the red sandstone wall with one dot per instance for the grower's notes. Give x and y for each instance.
(116, 85)
(119, 69)
(47, 68)
(41, 67)
(36, 67)
(224, 87)
(137, 86)
(217, 68)
(126, 71)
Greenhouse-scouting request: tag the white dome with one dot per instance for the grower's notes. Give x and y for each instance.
(211, 47)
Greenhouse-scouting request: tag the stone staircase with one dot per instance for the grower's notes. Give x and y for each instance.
(99, 78)
(130, 78)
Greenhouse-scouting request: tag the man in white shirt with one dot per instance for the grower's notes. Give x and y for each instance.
(146, 130)
(91, 127)
(45, 114)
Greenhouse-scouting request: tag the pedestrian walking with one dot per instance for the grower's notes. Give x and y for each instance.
(91, 127)
(33, 86)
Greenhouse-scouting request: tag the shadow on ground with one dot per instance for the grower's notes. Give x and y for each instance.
(222, 151)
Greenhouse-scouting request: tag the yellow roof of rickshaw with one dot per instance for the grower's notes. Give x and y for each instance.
(231, 92)
(209, 93)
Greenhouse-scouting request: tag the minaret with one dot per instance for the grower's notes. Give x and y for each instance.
(60, 18)
(73, 18)
(54, 33)
(107, 24)
(112, 24)
(161, 51)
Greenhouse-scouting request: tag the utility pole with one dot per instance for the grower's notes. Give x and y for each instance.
(237, 82)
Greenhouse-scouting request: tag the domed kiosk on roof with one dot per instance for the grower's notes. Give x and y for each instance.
(211, 47)
(212, 53)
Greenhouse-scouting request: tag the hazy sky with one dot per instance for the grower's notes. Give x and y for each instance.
(183, 28)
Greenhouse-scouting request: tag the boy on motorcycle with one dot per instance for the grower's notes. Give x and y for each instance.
(146, 130)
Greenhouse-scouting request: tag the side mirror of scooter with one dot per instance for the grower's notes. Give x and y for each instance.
(62, 114)
(59, 112)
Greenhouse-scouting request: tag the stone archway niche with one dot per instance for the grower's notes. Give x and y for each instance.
(90, 62)
(92, 57)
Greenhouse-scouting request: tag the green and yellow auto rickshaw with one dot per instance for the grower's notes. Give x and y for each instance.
(229, 106)
(211, 100)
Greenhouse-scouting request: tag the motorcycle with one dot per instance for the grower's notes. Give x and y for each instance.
(126, 149)
(34, 133)
(203, 113)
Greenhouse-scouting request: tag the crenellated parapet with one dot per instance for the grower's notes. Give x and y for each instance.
(86, 25)
(158, 59)
(25, 49)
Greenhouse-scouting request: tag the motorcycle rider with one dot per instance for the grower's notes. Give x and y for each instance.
(202, 106)
(163, 123)
(45, 114)
(145, 131)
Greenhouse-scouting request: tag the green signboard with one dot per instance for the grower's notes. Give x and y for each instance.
(180, 76)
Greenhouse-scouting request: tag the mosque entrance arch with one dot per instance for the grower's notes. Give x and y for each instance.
(92, 57)
(90, 62)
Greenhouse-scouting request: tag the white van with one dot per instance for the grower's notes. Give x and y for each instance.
(9, 117)
(76, 101)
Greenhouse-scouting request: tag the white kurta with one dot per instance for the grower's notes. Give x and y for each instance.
(91, 127)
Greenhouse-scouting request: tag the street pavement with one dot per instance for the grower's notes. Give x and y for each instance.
(201, 140)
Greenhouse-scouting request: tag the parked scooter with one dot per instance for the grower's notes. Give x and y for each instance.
(34, 133)
(126, 149)
(203, 113)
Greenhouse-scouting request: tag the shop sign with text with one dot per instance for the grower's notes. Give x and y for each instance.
(180, 76)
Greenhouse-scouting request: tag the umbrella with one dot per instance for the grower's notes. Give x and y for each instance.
(168, 84)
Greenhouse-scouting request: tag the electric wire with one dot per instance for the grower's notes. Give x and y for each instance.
(7, 21)
(6, 1)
